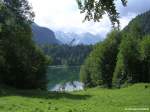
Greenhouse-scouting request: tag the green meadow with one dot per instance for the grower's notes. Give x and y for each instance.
(90, 100)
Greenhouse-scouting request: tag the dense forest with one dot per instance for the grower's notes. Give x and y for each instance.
(122, 58)
(22, 63)
(66, 54)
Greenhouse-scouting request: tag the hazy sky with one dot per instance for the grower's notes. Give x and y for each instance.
(64, 15)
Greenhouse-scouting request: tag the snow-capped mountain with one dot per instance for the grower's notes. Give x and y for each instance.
(76, 39)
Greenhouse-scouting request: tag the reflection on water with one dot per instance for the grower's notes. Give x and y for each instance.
(64, 78)
(68, 86)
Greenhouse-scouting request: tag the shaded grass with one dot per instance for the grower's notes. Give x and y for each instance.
(43, 94)
(91, 100)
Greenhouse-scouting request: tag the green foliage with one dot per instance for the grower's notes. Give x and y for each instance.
(2, 63)
(128, 62)
(21, 10)
(130, 68)
(145, 48)
(85, 76)
(67, 55)
(95, 9)
(122, 58)
(141, 22)
(22, 64)
(145, 58)
(100, 64)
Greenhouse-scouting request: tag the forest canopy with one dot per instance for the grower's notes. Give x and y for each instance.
(122, 58)
(66, 54)
(22, 63)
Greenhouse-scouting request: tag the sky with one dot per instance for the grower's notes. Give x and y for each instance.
(64, 15)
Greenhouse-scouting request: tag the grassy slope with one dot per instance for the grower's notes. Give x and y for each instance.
(91, 100)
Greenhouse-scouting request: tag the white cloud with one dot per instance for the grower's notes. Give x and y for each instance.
(64, 15)
(124, 20)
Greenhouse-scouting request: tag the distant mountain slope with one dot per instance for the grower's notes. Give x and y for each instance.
(143, 21)
(42, 35)
(76, 39)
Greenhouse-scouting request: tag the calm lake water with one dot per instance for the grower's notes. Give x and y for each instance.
(64, 78)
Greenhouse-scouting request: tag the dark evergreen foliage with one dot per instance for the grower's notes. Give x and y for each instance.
(22, 64)
(67, 55)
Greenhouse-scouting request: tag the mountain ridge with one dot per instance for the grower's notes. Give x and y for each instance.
(77, 39)
(43, 35)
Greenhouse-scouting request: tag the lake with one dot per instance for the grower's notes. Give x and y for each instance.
(64, 78)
